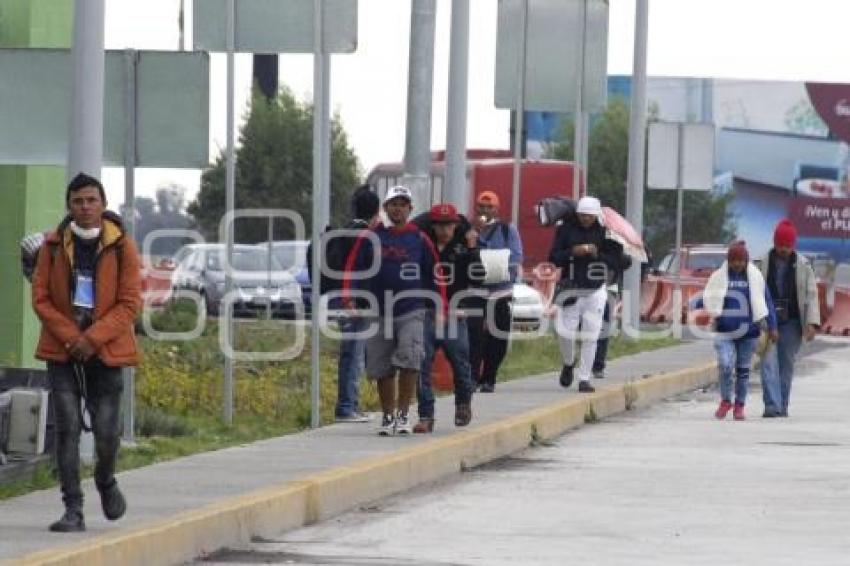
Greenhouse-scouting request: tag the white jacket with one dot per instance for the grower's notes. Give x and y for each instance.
(718, 284)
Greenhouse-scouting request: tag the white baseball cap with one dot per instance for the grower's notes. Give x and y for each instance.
(589, 205)
(398, 191)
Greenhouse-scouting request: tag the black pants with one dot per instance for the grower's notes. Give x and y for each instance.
(488, 340)
(103, 387)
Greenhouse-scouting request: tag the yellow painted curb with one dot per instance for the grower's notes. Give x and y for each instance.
(293, 504)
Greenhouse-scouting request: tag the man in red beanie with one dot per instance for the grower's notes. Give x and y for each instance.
(791, 281)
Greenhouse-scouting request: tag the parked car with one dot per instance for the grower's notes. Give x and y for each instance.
(260, 283)
(698, 260)
(526, 308)
(292, 256)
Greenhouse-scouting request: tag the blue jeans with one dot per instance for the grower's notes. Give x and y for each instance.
(777, 369)
(456, 348)
(352, 361)
(734, 356)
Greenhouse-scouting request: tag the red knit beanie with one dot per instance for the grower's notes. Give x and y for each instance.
(785, 235)
(738, 251)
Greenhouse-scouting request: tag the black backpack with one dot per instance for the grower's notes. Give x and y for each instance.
(552, 209)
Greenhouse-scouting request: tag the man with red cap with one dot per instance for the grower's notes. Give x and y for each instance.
(739, 304)
(791, 281)
(456, 243)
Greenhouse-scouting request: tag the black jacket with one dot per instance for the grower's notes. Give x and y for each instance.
(462, 264)
(587, 272)
(336, 254)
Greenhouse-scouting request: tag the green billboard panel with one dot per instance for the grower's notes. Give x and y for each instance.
(275, 26)
(172, 115)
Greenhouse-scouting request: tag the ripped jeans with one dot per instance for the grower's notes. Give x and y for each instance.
(102, 389)
(734, 356)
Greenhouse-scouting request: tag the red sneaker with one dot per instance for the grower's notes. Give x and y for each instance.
(738, 412)
(724, 408)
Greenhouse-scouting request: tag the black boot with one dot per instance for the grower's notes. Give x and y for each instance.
(112, 501)
(566, 376)
(71, 522)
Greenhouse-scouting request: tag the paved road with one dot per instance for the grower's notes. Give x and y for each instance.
(667, 485)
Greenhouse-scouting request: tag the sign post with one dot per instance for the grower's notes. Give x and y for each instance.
(681, 157)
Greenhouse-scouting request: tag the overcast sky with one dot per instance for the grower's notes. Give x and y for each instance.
(755, 39)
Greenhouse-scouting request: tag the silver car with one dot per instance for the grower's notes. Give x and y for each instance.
(260, 284)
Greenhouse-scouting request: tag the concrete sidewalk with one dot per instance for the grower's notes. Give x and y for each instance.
(243, 491)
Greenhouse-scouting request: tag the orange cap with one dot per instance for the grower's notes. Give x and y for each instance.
(488, 197)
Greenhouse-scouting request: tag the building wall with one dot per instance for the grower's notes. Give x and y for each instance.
(32, 197)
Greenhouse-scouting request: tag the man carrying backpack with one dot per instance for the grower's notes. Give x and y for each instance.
(490, 318)
(456, 243)
(352, 347)
(586, 259)
(86, 290)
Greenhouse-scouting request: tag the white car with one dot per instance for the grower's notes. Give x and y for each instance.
(526, 308)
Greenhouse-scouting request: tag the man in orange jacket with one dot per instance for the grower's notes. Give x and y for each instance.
(86, 291)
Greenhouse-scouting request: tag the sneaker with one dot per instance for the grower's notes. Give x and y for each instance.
(724, 408)
(463, 414)
(424, 426)
(70, 522)
(771, 413)
(585, 387)
(112, 501)
(402, 424)
(355, 417)
(566, 378)
(738, 412)
(487, 388)
(387, 427)
(599, 374)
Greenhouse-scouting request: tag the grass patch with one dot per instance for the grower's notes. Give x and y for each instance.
(541, 355)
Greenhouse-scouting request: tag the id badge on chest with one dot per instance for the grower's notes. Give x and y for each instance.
(84, 290)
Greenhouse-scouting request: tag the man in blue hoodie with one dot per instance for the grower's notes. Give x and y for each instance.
(739, 303)
(402, 285)
(489, 320)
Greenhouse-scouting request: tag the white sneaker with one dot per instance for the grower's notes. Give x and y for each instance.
(402, 424)
(388, 426)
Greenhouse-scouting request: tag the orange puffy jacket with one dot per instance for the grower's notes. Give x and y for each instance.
(117, 298)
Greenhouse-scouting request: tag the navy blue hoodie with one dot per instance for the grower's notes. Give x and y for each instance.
(408, 260)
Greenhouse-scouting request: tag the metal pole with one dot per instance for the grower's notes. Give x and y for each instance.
(420, 86)
(181, 22)
(86, 140)
(578, 133)
(680, 181)
(520, 114)
(585, 149)
(457, 189)
(86, 144)
(131, 119)
(230, 201)
(327, 142)
(637, 154)
(321, 199)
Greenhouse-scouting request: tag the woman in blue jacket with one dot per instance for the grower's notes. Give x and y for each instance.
(739, 304)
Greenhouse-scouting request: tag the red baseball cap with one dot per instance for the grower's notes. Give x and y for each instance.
(444, 213)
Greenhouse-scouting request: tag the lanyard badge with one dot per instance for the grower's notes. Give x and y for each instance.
(84, 290)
